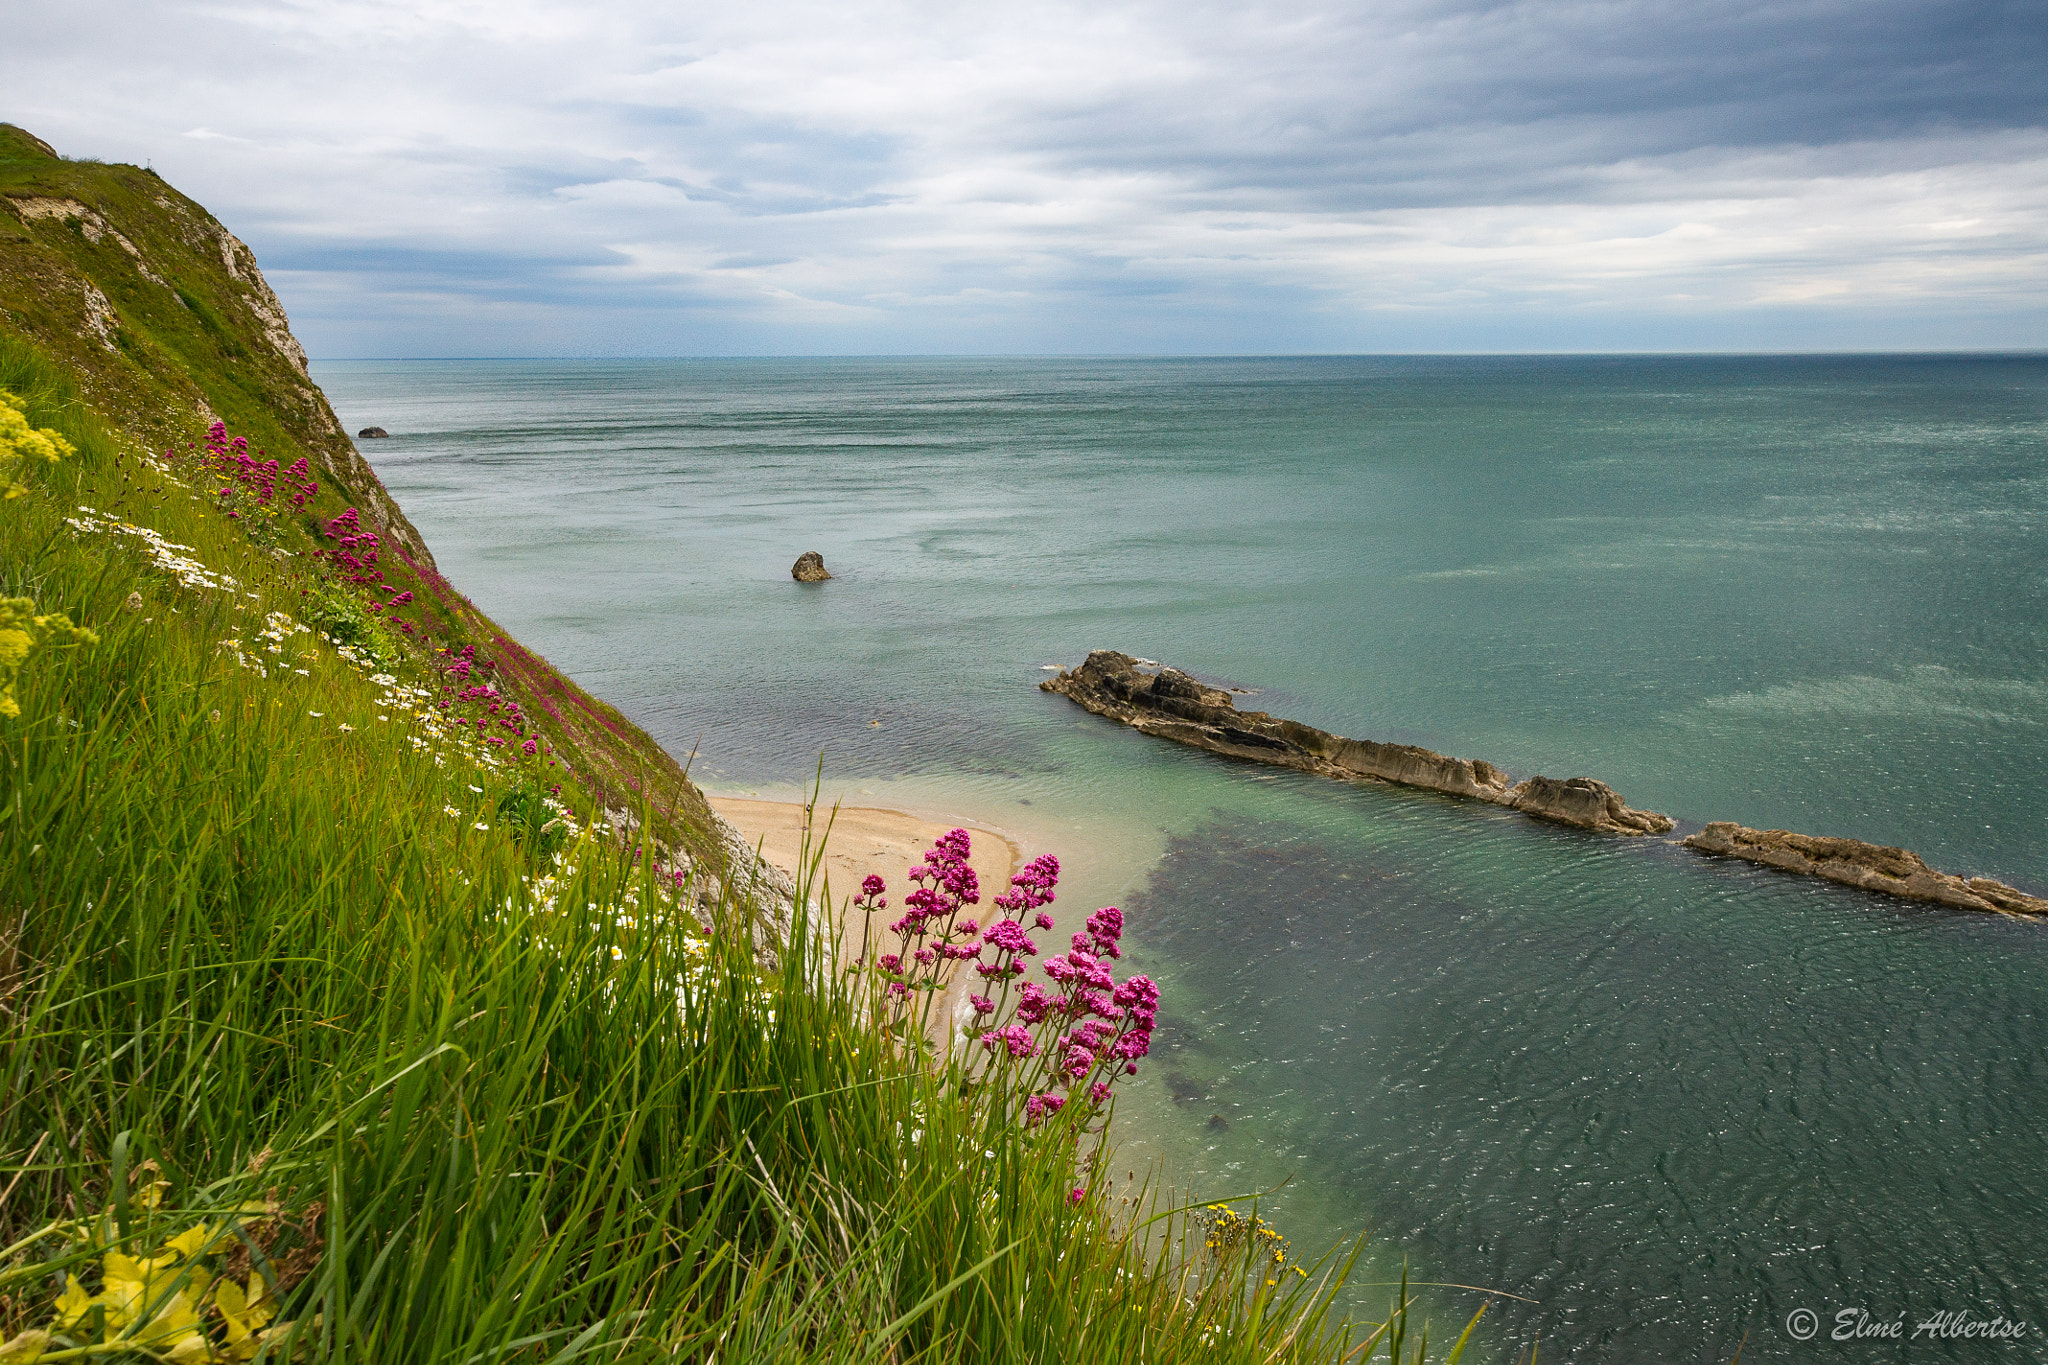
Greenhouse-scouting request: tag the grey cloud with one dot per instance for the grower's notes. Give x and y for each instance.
(912, 175)
(1460, 104)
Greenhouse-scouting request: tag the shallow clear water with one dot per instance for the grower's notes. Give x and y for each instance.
(1671, 1099)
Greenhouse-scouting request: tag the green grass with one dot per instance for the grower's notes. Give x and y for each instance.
(504, 1110)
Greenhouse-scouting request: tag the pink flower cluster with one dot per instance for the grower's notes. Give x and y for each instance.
(1052, 1046)
(493, 710)
(1103, 1025)
(250, 477)
(356, 551)
(930, 931)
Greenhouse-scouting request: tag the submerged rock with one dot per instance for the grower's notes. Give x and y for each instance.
(1174, 706)
(1874, 867)
(809, 568)
(371, 433)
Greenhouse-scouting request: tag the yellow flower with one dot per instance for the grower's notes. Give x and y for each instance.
(193, 1241)
(162, 1303)
(22, 632)
(72, 1304)
(19, 441)
(244, 1314)
(25, 1349)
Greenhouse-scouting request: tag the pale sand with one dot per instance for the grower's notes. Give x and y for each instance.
(863, 840)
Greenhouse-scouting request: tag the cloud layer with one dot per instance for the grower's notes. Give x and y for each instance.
(519, 177)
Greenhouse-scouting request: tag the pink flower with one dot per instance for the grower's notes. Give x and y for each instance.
(1106, 926)
(1032, 888)
(1132, 1046)
(1141, 998)
(1076, 1195)
(1095, 1002)
(1008, 936)
(1016, 1040)
(1034, 1004)
(1042, 1106)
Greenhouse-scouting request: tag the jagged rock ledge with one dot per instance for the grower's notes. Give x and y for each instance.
(1874, 867)
(1174, 706)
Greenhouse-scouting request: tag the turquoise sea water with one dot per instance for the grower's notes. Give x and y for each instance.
(1670, 1099)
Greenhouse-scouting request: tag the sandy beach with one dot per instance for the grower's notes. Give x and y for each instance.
(862, 840)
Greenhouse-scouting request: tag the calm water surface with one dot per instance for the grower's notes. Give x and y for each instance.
(1670, 1099)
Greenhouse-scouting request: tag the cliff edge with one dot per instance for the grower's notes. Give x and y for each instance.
(160, 321)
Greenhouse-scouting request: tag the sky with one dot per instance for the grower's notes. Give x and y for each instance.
(668, 177)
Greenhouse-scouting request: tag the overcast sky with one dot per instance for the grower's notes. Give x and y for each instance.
(665, 177)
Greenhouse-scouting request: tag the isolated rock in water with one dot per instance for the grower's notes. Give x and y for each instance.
(1174, 706)
(371, 433)
(809, 568)
(1874, 867)
(1586, 803)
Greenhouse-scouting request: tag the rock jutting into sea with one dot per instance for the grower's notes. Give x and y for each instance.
(1173, 705)
(809, 568)
(1874, 867)
(372, 434)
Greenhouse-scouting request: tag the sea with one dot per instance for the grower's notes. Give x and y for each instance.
(1643, 1105)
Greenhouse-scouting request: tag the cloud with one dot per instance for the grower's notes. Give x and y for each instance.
(1435, 174)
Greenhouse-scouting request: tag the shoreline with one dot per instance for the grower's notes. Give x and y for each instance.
(860, 840)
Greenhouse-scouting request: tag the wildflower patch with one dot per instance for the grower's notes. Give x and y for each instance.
(22, 444)
(24, 633)
(168, 555)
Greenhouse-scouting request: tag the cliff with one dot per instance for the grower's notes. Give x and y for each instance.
(162, 316)
(160, 320)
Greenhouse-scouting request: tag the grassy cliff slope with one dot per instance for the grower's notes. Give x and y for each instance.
(369, 992)
(159, 322)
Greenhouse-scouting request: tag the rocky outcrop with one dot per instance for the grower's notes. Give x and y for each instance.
(1174, 706)
(372, 434)
(1587, 803)
(809, 568)
(1874, 867)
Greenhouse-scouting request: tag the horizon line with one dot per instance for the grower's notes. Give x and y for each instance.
(1988, 351)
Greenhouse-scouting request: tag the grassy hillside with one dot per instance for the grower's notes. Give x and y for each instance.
(369, 992)
(153, 318)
